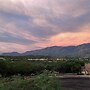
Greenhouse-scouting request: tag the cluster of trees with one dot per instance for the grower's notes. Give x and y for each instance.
(8, 68)
(69, 67)
(25, 67)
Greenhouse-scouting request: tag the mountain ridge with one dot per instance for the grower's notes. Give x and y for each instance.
(82, 50)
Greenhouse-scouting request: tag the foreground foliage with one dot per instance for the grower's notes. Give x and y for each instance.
(42, 82)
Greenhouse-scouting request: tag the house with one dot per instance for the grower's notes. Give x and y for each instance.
(86, 69)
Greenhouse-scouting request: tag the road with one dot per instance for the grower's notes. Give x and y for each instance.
(75, 83)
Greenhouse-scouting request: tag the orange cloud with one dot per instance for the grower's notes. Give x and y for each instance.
(65, 39)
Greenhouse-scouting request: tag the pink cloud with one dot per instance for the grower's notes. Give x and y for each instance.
(49, 23)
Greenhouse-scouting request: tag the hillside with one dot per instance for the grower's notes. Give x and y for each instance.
(82, 50)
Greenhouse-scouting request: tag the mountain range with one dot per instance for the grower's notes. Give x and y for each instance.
(82, 50)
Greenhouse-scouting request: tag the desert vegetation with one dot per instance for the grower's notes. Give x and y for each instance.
(39, 82)
(21, 73)
(9, 67)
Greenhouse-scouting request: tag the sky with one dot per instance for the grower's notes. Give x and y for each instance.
(34, 24)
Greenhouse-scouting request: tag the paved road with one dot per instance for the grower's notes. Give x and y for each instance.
(75, 83)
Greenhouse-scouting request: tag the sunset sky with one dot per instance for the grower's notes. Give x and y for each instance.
(34, 24)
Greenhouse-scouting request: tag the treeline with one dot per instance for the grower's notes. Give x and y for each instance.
(26, 57)
(8, 67)
(20, 58)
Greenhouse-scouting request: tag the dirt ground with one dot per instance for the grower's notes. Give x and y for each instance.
(75, 83)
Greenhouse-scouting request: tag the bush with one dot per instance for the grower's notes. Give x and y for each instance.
(44, 81)
(47, 81)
